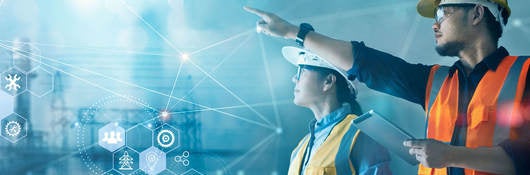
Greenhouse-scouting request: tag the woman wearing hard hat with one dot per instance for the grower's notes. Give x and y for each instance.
(333, 145)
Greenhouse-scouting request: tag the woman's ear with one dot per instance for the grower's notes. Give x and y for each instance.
(329, 81)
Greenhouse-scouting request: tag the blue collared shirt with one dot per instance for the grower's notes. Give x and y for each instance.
(368, 157)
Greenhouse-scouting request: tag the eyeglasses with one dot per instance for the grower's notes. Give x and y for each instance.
(300, 70)
(443, 11)
(311, 68)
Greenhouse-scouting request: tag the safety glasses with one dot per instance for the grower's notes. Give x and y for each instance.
(443, 11)
(303, 67)
(300, 70)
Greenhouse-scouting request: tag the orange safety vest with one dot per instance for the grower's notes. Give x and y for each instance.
(492, 112)
(333, 155)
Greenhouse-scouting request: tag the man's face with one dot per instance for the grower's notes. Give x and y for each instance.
(451, 29)
(308, 87)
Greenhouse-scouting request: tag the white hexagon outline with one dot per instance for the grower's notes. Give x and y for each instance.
(47, 92)
(25, 128)
(194, 170)
(158, 150)
(26, 79)
(125, 147)
(155, 139)
(36, 54)
(131, 128)
(108, 172)
(124, 137)
(172, 158)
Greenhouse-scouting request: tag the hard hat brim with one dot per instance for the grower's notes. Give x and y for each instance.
(292, 54)
(427, 8)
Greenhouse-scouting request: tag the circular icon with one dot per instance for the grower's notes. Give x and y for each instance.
(185, 154)
(165, 138)
(13, 128)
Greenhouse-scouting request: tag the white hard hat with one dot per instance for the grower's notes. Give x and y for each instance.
(298, 56)
(427, 8)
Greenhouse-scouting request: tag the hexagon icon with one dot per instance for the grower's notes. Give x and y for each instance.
(42, 84)
(166, 138)
(181, 160)
(7, 103)
(126, 161)
(111, 172)
(14, 81)
(111, 137)
(136, 138)
(14, 127)
(152, 161)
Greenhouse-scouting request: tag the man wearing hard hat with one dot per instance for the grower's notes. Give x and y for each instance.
(476, 109)
(333, 145)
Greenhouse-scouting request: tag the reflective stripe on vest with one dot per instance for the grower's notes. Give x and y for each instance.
(508, 94)
(490, 111)
(333, 156)
(438, 78)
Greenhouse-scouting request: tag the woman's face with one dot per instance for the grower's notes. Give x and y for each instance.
(308, 87)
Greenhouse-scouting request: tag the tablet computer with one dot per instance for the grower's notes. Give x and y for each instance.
(385, 133)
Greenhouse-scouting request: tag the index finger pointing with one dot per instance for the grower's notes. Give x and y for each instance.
(260, 13)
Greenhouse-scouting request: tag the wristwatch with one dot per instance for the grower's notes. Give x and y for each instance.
(304, 29)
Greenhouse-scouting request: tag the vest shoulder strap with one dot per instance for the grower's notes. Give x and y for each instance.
(508, 94)
(437, 81)
(342, 158)
(510, 84)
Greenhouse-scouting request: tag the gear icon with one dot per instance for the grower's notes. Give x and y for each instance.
(13, 128)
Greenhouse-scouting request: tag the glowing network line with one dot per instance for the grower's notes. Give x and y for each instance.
(170, 96)
(129, 84)
(213, 69)
(223, 41)
(230, 92)
(257, 154)
(234, 107)
(174, 84)
(79, 78)
(73, 153)
(200, 69)
(269, 81)
(410, 36)
(237, 160)
(151, 27)
(100, 50)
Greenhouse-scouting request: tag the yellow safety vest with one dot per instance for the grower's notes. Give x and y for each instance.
(333, 156)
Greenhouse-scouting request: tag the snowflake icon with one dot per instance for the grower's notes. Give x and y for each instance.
(12, 82)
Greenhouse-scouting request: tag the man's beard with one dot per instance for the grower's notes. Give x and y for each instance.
(450, 48)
